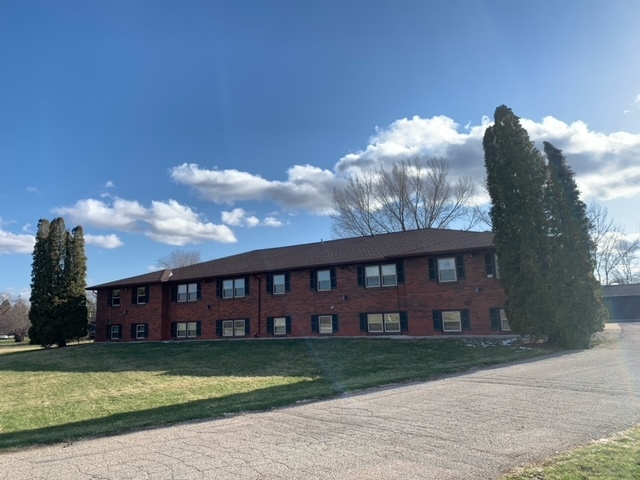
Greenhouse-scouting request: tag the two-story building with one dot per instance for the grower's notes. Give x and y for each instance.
(419, 283)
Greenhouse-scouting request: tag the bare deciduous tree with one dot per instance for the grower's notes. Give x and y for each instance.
(179, 258)
(14, 315)
(412, 194)
(617, 257)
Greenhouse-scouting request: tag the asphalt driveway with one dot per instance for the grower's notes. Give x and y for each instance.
(471, 426)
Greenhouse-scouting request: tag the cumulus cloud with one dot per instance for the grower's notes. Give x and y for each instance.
(103, 241)
(306, 187)
(239, 218)
(164, 222)
(16, 243)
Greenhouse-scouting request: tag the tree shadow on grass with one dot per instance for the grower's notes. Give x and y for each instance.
(257, 400)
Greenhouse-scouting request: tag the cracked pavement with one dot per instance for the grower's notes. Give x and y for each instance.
(470, 426)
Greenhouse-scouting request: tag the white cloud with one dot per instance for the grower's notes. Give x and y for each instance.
(26, 227)
(239, 218)
(637, 100)
(165, 222)
(33, 190)
(16, 243)
(109, 184)
(306, 188)
(103, 241)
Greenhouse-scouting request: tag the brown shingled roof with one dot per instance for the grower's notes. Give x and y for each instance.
(332, 252)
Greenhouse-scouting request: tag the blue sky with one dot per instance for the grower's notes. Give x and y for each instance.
(222, 126)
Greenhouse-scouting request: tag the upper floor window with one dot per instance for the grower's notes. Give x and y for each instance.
(115, 297)
(278, 283)
(446, 269)
(233, 288)
(385, 275)
(491, 265)
(323, 280)
(141, 295)
(187, 292)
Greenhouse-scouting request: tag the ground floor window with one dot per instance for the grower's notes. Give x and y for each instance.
(279, 325)
(115, 332)
(499, 320)
(234, 328)
(139, 331)
(394, 322)
(451, 321)
(186, 329)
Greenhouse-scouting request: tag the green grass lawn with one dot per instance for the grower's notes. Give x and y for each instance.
(96, 389)
(616, 458)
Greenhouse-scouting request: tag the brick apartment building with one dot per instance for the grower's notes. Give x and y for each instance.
(419, 283)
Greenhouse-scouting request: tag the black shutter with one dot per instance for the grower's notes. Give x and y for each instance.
(269, 283)
(219, 288)
(134, 295)
(120, 332)
(460, 266)
(146, 330)
(488, 262)
(466, 319)
(146, 291)
(363, 322)
(174, 293)
(360, 270)
(495, 319)
(334, 280)
(335, 323)
(109, 297)
(288, 320)
(133, 330)
(247, 283)
(198, 328)
(270, 325)
(247, 326)
(400, 271)
(287, 282)
(314, 323)
(404, 322)
(433, 274)
(437, 321)
(198, 291)
(108, 336)
(312, 279)
(174, 329)
(219, 328)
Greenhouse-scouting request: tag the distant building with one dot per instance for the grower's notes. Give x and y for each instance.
(421, 283)
(623, 302)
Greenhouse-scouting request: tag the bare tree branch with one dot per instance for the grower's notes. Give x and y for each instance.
(179, 258)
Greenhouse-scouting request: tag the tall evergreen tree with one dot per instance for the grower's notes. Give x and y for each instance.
(57, 283)
(578, 311)
(516, 176)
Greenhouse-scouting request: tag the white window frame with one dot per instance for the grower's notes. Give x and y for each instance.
(323, 284)
(192, 329)
(325, 324)
(280, 325)
(372, 276)
(389, 279)
(279, 287)
(186, 329)
(495, 258)
(116, 295)
(380, 275)
(140, 334)
(233, 328)
(454, 269)
(504, 322)
(454, 316)
(115, 332)
(143, 296)
(390, 322)
(187, 292)
(379, 320)
(233, 288)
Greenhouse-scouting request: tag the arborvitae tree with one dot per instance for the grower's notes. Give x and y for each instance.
(57, 282)
(578, 309)
(516, 176)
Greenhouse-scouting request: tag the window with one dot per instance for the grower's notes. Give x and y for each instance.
(384, 322)
(324, 280)
(451, 320)
(115, 298)
(186, 329)
(491, 263)
(499, 320)
(279, 326)
(375, 273)
(325, 324)
(115, 332)
(141, 295)
(279, 285)
(233, 288)
(187, 292)
(233, 328)
(447, 269)
(139, 331)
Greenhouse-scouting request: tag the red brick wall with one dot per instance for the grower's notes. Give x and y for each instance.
(418, 296)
